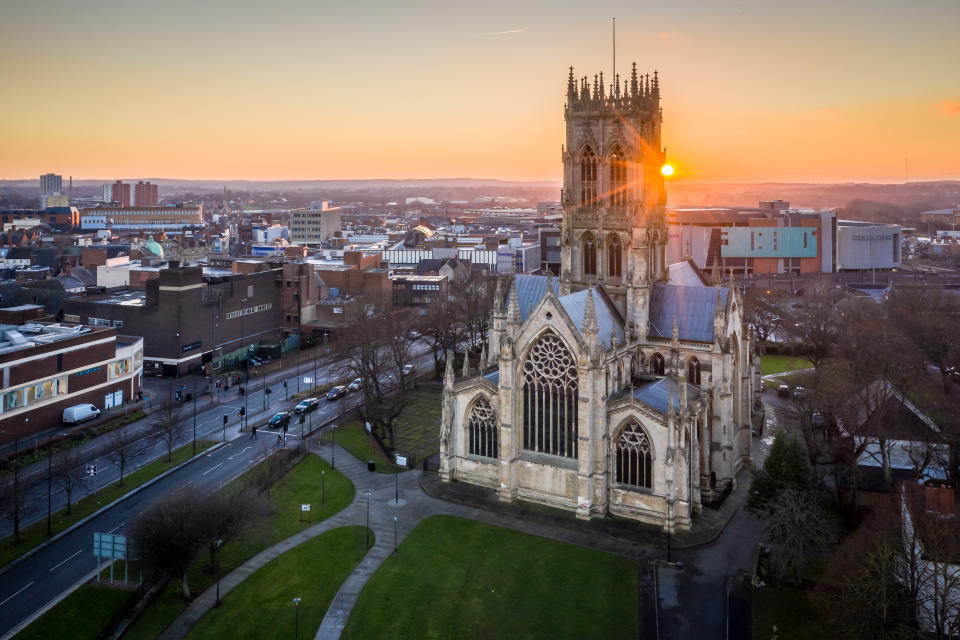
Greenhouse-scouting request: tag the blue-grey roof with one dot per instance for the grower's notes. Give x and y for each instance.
(656, 394)
(529, 291)
(693, 307)
(686, 274)
(575, 304)
(493, 376)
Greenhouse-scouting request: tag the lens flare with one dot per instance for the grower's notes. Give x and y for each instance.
(666, 170)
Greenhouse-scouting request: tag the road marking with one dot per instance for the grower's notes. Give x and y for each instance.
(211, 469)
(57, 566)
(16, 594)
(239, 454)
(116, 527)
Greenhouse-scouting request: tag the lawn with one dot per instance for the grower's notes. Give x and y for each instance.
(355, 439)
(301, 485)
(81, 615)
(262, 605)
(36, 533)
(418, 428)
(456, 578)
(771, 364)
(789, 609)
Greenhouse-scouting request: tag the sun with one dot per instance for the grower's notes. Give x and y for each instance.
(666, 170)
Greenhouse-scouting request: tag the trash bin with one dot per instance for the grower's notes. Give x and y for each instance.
(371, 465)
(426, 464)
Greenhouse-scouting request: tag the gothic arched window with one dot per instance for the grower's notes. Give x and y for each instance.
(693, 371)
(618, 178)
(550, 383)
(634, 458)
(588, 178)
(589, 255)
(614, 256)
(482, 430)
(657, 364)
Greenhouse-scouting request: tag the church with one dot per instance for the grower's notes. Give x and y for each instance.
(623, 386)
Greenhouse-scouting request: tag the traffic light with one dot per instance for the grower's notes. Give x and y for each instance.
(225, 418)
(243, 412)
(178, 395)
(242, 391)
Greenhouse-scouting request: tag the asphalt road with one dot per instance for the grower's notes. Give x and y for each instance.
(35, 582)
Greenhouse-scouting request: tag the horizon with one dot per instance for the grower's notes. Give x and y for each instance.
(441, 92)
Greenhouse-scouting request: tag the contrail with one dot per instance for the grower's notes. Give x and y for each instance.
(503, 33)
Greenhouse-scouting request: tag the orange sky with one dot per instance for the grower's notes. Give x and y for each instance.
(752, 90)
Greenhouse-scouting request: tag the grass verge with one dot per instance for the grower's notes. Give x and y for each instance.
(418, 427)
(355, 439)
(787, 608)
(262, 605)
(36, 533)
(82, 614)
(301, 485)
(448, 581)
(771, 364)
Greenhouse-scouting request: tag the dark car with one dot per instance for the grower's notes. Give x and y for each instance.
(280, 419)
(307, 405)
(337, 392)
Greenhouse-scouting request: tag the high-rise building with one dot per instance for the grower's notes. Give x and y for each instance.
(51, 184)
(314, 225)
(144, 194)
(117, 192)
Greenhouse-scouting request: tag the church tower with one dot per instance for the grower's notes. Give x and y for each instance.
(614, 203)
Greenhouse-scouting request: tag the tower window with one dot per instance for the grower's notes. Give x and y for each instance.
(657, 364)
(589, 255)
(618, 178)
(588, 178)
(614, 256)
(634, 459)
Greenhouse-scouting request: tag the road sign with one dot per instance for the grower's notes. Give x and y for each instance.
(110, 545)
(400, 460)
(307, 380)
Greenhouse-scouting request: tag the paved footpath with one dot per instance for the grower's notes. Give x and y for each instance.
(414, 505)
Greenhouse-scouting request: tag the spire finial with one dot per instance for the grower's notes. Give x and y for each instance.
(715, 272)
(719, 310)
(676, 329)
(590, 314)
(513, 308)
(571, 88)
(596, 88)
(656, 85)
(602, 89)
(448, 375)
(617, 84)
(483, 357)
(633, 80)
(498, 295)
(466, 363)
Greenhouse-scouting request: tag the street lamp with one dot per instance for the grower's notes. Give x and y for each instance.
(194, 418)
(396, 549)
(368, 494)
(669, 522)
(323, 481)
(296, 604)
(333, 446)
(219, 542)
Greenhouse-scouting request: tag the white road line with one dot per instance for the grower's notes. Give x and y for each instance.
(211, 469)
(16, 594)
(239, 454)
(116, 527)
(58, 565)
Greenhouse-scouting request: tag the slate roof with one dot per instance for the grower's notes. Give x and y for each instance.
(575, 304)
(686, 273)
(69, 282)
(493, 376)
(693, 307)
(529, 291)
(656, 394)
(84, 275)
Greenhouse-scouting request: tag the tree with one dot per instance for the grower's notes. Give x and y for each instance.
(437, 329)
(786, 467)
(13, 497)
(170, 533)
(473, 299)
(764, 312)
(68, 473)
(227, 515)
(816, 325)
(124, 447)
(796, 522)
(170, 431)
(929, 317)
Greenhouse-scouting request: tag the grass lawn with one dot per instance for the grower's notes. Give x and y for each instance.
(262, 605)
(418, 428)
(456, 578)
(81, 615)
(301, 485)
(789, 609)
(355, 439)
(36, 533)
(770, 364)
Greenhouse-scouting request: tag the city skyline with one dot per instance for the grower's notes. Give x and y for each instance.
(751, 91)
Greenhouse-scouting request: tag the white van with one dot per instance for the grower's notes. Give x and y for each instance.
(80, 413)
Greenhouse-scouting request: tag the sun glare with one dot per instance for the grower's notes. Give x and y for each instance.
(666, 170)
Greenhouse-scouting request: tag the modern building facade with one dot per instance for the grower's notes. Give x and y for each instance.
(868, 245)
(608, 390)
(51, 184)
(48, 367)
(144, 194)
(173, 219)
(315, 225)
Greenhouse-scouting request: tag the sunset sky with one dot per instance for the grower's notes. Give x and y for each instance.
(753, 90)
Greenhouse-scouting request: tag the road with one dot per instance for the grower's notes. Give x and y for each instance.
(32, 584)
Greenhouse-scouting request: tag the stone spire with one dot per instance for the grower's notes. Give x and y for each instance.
(602, 89)
(571, 87)
(498, 295)
(483, 357)
(715, 272)
(448, 375)
(466, 363)
(718, 312)
(590, 313)
(683, 389)
(676, 330)
(656, 85)
(633, 81)
(513, 308)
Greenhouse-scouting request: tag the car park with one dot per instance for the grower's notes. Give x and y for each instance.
(309, 404)
(337, 392)
(280, 419)
(354, 385)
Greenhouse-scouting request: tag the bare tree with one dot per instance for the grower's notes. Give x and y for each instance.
(68, 473)
(929, 317)
(13, 497)
(438, 329)
(124, 447)
(817, 325)
(796, 522)
(227, 515)
(170, 431)
(764, 310)
(474, 300)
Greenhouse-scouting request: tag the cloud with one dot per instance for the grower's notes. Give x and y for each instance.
(949, 107)
(503, 33)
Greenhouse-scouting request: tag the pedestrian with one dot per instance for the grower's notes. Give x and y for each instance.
(253, 433)
(279, 440)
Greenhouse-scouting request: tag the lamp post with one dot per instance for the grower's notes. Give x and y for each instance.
(323, 482)
(333, 446)
(368, 494)
(246, 366)
(396, 548)
(219, 542)
(194, 418)
(669, 522)
(49, 480)
(296, 604)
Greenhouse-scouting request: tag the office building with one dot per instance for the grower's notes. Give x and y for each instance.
(315, 225)
(144, 194)
(171, 219)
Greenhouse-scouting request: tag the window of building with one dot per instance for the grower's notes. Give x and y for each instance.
(614, 256)
(98, 322)
(550, 392)
(118, 324)
(69, 317)
(482, 430)
(634, 460)
(588, 178)
(693, 371)
(657, 364)
(589, 255)
(618, 178)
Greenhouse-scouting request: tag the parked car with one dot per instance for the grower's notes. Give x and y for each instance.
(255, 362)
(337, 392)
(408, 369)
(799, 393)
(354, 385)
(280, 419)
(783, 390)
(763, 386)
(309, 404)
(80, 413)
